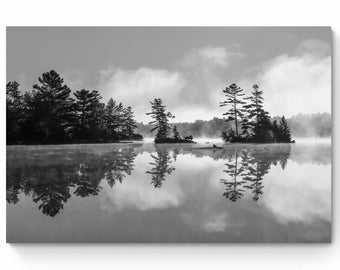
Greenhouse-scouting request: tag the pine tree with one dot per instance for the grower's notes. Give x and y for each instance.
(233, 100)
(276, 131)
(263, 129)
(161, 119)
(255, 109)
(51, 107)
(246, 126)
(14, 111)
(113, 118)
(176, 133)
(129, 122)
(88, 110)
(259, 119)
(284, 130)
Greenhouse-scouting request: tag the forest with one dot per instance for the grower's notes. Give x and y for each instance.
(49, 114)
(52, 113)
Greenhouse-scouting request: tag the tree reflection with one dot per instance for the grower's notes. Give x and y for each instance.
(51, 190)
(13, 188)
(86, 183)
(117, 167)
(49, 181)
(161, 167)
(234, 190)
(247, 168)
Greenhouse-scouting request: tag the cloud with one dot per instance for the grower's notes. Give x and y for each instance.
(189, 89)
(137, 87)
(298, 83)
(213, 56)
(314, 47)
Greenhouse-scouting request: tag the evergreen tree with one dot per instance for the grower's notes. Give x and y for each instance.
(263, 129)
(176, 133)
(276, 131)
(89, 112)
(246, 126)
(258, 119)
(51, 107)
(113, 118)
(284, 130)
(234, 96)
(129, 122)
(161, 119)
(14, 111)
(255, 109)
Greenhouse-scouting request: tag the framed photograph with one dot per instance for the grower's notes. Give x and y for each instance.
(169, 135)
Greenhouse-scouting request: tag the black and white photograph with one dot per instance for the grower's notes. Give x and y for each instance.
(168, 134)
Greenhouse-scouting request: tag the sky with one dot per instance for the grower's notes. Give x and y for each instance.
(188, 67)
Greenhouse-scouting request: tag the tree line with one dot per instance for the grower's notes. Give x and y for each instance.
(49, 114)
(301, 125)
(251, 122)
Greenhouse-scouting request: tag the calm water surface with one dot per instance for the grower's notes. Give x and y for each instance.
(169, 193)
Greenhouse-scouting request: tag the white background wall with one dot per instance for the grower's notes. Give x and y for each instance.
(172, 12)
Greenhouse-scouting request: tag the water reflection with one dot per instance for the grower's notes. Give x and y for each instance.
(117, 168)
(246, 169)
(50, 184)
(161, 166)
(234, 190)
(130, 193)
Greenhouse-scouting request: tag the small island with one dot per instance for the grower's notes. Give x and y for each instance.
(252, 124)
(161, 123)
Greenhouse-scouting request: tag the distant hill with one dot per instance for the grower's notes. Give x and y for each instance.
(301, 125)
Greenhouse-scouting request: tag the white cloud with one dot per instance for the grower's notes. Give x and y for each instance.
(190, 89)
(297, 84)
(137, 87)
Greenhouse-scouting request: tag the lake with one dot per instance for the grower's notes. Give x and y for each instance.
(139, 192)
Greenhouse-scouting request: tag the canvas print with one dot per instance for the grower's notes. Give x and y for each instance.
(169, 135)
